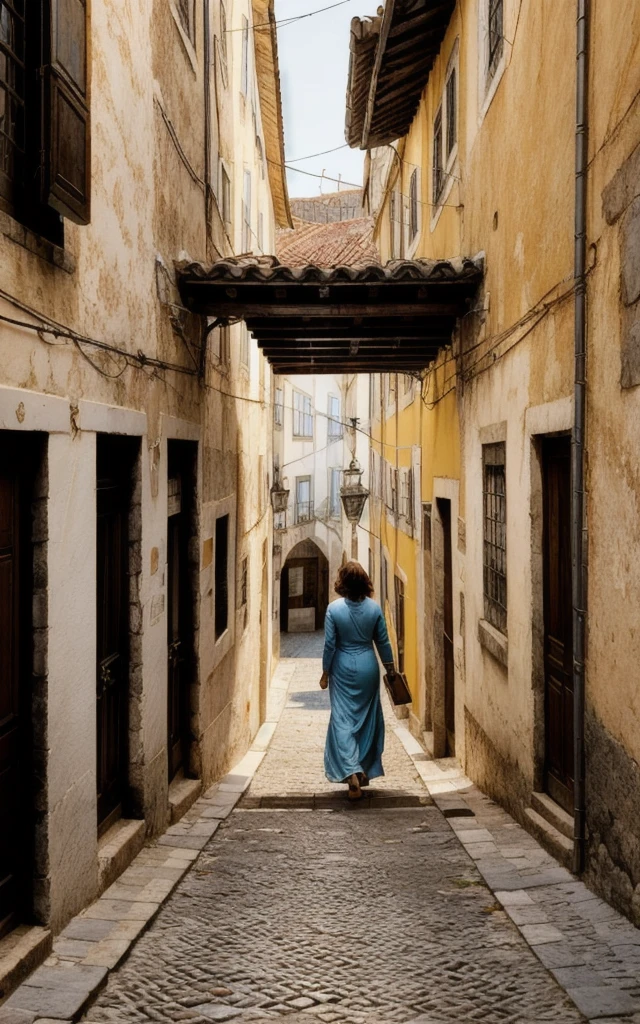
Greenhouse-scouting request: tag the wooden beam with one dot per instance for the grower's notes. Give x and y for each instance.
(234, 309)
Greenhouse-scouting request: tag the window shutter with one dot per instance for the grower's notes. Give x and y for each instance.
(66, 141)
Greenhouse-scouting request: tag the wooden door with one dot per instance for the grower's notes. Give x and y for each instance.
(301, 587)
(179, 626)
(558, 632)
(444, 511)
(14, 767)
(399, 585)
(112, 683)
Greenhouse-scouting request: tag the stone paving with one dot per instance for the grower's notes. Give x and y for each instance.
(343, 915)
(273, 898)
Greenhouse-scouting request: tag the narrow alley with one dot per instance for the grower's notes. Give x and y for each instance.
(301, 905)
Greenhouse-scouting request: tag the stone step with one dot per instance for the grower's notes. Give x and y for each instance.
(553, 841)
(554, 814)
(117, 848)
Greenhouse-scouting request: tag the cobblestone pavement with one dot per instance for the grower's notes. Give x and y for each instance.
(302, 645)
(342, 915)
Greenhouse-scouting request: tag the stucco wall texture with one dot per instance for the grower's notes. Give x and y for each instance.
(152, 151)
(509, 194)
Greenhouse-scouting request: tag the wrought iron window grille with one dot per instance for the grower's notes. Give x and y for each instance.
(495, 535)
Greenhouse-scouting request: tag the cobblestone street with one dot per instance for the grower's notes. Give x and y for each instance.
(301, 905)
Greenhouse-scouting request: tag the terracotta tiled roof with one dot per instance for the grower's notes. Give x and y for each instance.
(269, 269)
(347, 242)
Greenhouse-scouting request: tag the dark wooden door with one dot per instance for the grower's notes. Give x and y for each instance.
(112, 684)
(179, 631)
(444, 511)
(558, 632)
(399, 585)
(13, 696)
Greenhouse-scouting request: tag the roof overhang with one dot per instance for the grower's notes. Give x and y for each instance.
(363, 319)
(391, 59)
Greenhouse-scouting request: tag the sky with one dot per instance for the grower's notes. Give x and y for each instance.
(314, 62)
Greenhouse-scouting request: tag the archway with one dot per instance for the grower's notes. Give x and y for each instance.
(304, 589)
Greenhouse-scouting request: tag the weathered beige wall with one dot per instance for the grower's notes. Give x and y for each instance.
(115, 282)
(511, 197)
(613, 708)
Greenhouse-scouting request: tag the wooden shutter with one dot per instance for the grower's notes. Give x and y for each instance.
(66, 129)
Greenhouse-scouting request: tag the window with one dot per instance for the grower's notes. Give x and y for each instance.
(302, 415)
(246, 213)
(244, 84)
(392, 488)
(384, 583)
(406, 495)
(395, 224)
(223, 41)
(495, 535)
(244, 345)
(495, 34)
(220, 345)
(452, 112)
(261, 232)
(334, 428)
(334, 493)
(187, 17)
(372, 395)
(372, 565)
(304, 505)
(278, 408)
(399, 594)
(413, 205)
(44, 132)
(437, 166)
(243, 591)
(221, 584)
(226, 195)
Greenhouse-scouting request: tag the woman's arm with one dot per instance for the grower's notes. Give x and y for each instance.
(381, 638)
(329, 642)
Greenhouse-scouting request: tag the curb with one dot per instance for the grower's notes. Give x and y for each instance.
(594, 961)
(97, 940)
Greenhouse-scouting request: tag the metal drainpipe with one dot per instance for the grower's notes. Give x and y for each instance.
(578, 525)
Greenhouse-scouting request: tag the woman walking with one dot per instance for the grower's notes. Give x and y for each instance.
(355, 740)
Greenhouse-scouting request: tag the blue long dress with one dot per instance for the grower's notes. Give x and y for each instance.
(355, 739)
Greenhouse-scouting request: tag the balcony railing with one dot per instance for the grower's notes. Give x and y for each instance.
(303, 511)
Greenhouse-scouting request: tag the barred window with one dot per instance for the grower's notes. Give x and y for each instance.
(495, 535)
(438, 167)
(413, 204)
(496, 38)
(452, 113)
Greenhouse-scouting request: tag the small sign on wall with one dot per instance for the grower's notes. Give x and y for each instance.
(296, 582)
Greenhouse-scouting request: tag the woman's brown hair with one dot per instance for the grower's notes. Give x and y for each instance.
(353, 582)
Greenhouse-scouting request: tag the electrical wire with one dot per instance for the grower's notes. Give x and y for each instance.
(267, 25)
(299, 159)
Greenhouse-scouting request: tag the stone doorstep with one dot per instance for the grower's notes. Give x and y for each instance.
(553, 813)
(117, 848)
(24, 949)
(183, 793)
(94, 942)
(550, 837)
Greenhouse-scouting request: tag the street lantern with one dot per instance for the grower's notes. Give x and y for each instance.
(279, 494)
(354, 497)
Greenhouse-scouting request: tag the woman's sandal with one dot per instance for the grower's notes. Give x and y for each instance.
(355, 793)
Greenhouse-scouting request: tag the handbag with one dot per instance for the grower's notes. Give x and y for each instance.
(398, 689)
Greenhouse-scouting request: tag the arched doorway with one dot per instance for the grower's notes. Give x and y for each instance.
(304, 589)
